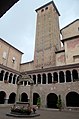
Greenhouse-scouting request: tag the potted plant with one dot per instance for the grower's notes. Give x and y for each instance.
(59, 103)
(38, 102)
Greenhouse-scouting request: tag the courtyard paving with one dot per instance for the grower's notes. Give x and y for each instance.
(44, 114)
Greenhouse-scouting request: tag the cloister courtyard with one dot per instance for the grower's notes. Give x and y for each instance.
(44, 114)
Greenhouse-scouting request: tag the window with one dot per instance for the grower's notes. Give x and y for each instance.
(76, 58)
(4, 55)
(46, 8)
(13, 59)
(42, 10)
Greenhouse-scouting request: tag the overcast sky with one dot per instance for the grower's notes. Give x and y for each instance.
(18, 25)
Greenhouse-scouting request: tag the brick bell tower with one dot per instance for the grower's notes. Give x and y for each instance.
(47, 36)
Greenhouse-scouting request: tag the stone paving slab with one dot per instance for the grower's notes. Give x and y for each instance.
(44, 114)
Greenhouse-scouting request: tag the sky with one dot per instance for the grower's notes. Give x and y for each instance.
(18, 25)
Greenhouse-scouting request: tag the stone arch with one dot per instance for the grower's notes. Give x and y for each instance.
(24, 97)
(39, 78)
(68, 76)
(55, 76)
(12, 98)
(2, 97)
(52, 100)
(43, 78)
(61, 77)
(75, 74)
(34, 79)
(1, 75)
(35, 97)
(25, 77)
(14, 79)
(6, 77)
(10, 78)
(49, 78)
(72, 99)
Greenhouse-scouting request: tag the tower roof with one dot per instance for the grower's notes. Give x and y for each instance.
(47, 5)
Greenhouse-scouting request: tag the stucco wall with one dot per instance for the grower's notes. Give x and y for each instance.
(72, 51)
(60, 58)
(71, 30)
(8, 88)
(59, 89)
(8, 54)
(27, 66)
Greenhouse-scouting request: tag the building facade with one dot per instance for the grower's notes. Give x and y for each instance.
(54, 70)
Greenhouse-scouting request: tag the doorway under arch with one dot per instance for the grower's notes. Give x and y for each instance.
(35, 97)
(12, 98)
(2, 97)
(24, 97)
(52, 100)
(72, 99)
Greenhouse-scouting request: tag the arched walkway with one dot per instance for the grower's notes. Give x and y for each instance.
(34, 79)
(68, 76)
(2, 97)
(55, 77)
(49, 78)
(39, 79)
(72, 99)
(1, 75)
(43, 78)
(74, 75)
(12, 98)
(35, 97)
(24, 97)
(61, 77)
(52, 100)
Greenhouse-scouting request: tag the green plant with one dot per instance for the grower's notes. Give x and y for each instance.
(38, 102)
(59, 102)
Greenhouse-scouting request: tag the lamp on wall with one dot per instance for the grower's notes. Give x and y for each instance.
(13, 59)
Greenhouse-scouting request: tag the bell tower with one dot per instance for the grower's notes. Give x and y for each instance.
(47, 35)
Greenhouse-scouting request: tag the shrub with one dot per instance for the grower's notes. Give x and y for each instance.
(39, 102)
(59, 102)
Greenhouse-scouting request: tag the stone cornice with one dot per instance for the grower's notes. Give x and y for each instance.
(9, 69)
(56, 68)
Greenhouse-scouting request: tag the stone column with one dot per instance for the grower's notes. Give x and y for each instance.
(0, 70)
(64, 77)
(3, 76)
(17, 93)
(8, 78)
(58, 78)
(23, 83)
(52, 78)
(46, 78)
(36, 80)
(71, 77)
(31, 93)
(6, 101)
(12, 79)
(41, 78)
